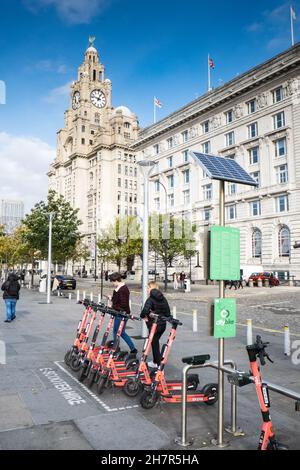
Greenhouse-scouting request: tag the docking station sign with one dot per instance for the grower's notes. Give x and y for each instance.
(225, 318)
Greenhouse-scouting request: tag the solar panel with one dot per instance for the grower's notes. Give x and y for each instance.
(225, 169)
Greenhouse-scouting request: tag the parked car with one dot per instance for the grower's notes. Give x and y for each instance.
(274, 281)
(65, 282)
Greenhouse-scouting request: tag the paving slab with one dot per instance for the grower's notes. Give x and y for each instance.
(13, 413)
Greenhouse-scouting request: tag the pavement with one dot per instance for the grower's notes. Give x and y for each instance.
(43, 406)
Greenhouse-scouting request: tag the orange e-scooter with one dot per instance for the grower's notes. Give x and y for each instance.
(257, 354)
(171, 392)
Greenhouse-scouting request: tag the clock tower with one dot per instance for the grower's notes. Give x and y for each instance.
(95, 168)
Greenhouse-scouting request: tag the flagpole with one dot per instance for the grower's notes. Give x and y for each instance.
(209, 76)
(154, 110)
(292, 24)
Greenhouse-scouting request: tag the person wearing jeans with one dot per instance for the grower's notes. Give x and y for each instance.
(11, 288)
(120, 301)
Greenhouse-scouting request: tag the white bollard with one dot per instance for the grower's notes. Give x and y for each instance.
(249, 333)
(174, 312)
(58, 293)
(91, 296)
(99, 298)
(70, 296)
(78, 296)
(287, 341)
(29, 284)
(195, 321)
(83, 295)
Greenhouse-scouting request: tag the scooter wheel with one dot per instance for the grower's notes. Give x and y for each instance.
(102, 384)
(148, 399)
(91, 378)
(210, 390)
(132, 388)
(82, 372)
(75, 364)
(68, 357)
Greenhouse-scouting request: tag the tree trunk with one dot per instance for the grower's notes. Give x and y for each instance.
(166, 274)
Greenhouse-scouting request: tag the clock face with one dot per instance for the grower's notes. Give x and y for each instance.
(98, 98)
(76, 100)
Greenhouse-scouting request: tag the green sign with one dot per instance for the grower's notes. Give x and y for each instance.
(225, 318)
(224, 253)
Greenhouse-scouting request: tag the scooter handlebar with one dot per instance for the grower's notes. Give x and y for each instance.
(259, 348)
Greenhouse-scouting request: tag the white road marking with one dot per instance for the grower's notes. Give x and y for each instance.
(269, 305)
(93, 395)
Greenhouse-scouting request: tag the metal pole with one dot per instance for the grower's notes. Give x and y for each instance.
(145, 248)
(220, 440)
(101, 280)
(96, 254)
(49, 258)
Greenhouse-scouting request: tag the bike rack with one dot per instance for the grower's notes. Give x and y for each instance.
(233, 429)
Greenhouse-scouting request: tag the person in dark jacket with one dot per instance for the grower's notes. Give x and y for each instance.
(11, 289)
(158, 304)
(121, 301)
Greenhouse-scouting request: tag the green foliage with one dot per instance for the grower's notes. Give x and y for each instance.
(65, 231)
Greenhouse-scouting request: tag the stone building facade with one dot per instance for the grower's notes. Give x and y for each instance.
(254, 119)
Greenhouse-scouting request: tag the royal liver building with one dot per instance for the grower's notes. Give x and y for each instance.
(254, 119)
(94, 168)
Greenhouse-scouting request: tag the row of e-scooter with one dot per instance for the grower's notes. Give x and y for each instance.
(105, 366)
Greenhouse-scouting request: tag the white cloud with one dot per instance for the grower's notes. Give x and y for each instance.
(72, 11)
(24, 163)
(57, 93)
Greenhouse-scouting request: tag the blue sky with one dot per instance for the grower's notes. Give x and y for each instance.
(148, 47)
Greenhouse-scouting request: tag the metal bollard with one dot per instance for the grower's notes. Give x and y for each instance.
(99, 298)
(287, 341)
(195, 321)
(91, 296)
(174, 312)
(249, 333)
(78, 296)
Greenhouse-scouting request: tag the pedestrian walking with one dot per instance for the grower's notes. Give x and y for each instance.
(120, 301)
(11, 289)
(182, 279)
(175, 281)
(158, 304)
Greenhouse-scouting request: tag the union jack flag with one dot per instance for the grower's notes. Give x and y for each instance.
(158, 103)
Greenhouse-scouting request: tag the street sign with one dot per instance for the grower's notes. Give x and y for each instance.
(225, 318)
(225, 254)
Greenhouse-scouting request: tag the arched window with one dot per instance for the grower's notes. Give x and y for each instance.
(94, 75)
(284, 242)
(256, 243)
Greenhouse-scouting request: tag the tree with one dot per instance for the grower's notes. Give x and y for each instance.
(120, 242)
(171, 238)
(65, 229)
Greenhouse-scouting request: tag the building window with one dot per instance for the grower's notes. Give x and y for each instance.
(252, 130)
(282, 203)
(256, 176)
(119, 169)
(157, 204)
(126, 170)
(277, 95)
(157, 186)
(206, 147)
(207, 192)
(135, 198)
(185, 136)
(91, 142)
(135, 172)
(232, 189)
(186, 176)
(231, 212)
(126, 184)
(229, 139)
(256, 243)
(119, 196)
(126, 197)
(127, 125)
(231, 156)
(280, 147)
(254, 155)
(171, 181)
(282, 175)
(170, 162)
(171, 200)
(185, 156)
(82, 128)
(186, 197)
(119, 210)
(207, 215)
(156, 149)
(255, 208)
(284, 242)
(252, 106)
(279, 120)
(229, 116)
(170, 142)
(119, 183)
(205, 127)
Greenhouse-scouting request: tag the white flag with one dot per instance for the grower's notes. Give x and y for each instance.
(293, 13)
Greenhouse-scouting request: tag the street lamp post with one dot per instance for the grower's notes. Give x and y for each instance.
(146, 167)
(49, 258)
(166, 211)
